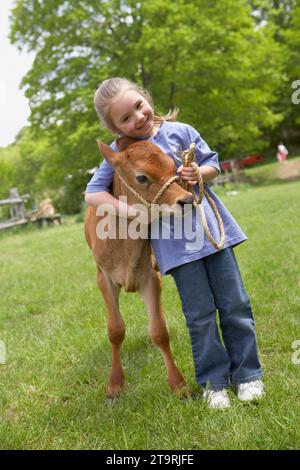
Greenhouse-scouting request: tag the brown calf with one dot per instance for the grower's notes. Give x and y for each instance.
(126, 262)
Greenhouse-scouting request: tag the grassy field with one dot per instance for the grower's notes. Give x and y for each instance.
(52, 385)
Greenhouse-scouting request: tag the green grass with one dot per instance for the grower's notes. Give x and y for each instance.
(52, 387)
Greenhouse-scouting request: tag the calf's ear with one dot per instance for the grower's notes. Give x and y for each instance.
(114, 158)
(124, 142)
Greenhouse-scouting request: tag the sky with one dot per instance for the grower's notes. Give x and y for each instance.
(14, 108)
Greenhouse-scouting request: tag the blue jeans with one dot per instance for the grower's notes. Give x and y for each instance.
(205, 285)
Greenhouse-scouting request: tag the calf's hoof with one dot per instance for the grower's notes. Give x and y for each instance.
(114, 392)
(183, 392)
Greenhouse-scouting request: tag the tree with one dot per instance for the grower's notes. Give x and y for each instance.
(278, 12)
(213, 65)
(283, 16)
(292, 42)
(28, 164)
(205, 57)
(7, 171)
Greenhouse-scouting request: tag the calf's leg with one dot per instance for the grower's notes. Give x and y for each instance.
(116, 333)
(151, 294)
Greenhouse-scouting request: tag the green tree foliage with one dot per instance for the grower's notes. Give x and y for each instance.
(278, 12)
(292, 41)
(207, 58)
(7, 172)
(29, 163)
(70, 198)
(283, 17)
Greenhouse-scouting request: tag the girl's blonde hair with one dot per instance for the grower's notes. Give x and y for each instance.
(110, 88)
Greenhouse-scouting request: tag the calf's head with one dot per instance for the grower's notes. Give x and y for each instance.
(147, 169)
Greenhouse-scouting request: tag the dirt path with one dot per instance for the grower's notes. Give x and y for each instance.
(288, 170)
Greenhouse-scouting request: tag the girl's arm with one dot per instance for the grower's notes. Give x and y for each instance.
(119, 207)
(98, 192)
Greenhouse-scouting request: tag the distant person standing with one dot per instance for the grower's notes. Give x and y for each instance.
(282, 152)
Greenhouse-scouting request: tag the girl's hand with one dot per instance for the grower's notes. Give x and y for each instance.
(188, 174)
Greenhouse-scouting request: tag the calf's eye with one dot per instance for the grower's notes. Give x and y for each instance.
(142, 179)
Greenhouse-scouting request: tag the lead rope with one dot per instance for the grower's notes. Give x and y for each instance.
(158, 195)
(188, 159)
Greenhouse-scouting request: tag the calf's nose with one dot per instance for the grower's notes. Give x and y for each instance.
(186, 200)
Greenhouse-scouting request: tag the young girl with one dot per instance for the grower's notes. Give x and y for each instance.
(207, 279)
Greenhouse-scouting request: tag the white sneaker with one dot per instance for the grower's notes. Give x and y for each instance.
(216, 399)
(250, 391)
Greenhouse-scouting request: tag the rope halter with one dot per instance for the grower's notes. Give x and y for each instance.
(188, 159)
(158, 195)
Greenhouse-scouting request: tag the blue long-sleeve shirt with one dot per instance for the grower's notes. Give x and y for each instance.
(172, 243)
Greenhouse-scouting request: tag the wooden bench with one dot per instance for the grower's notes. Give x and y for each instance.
(54, 219)
(12, 223)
